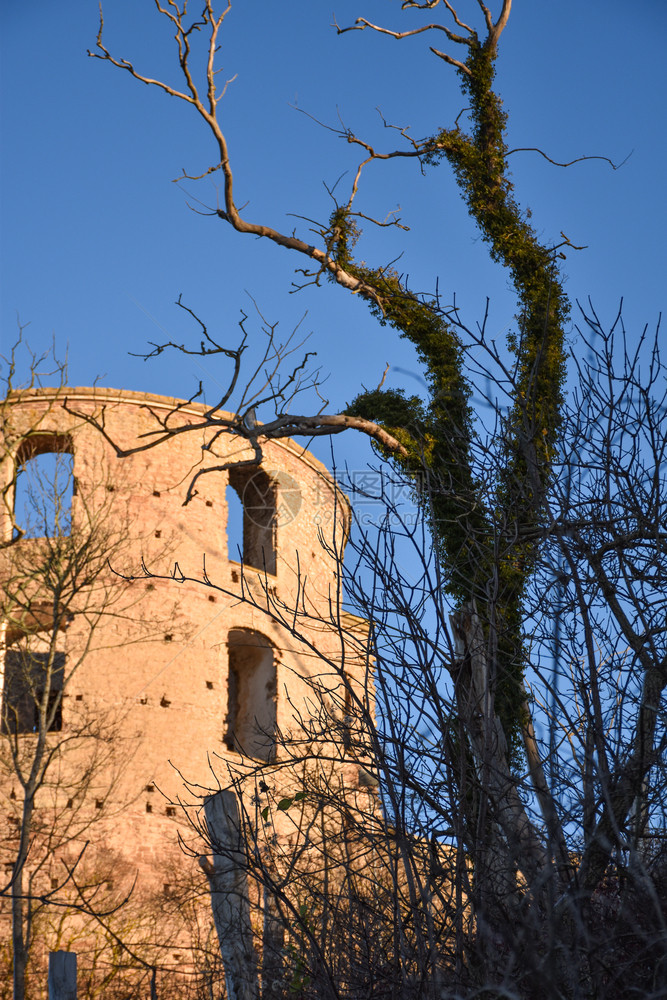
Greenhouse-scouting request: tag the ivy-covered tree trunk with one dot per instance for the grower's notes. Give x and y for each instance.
(486, 541)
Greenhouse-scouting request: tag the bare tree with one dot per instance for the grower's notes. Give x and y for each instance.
(54, 595)
(60, 759)
(444, 869)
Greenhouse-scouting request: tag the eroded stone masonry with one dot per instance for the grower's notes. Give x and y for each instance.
(165, 681)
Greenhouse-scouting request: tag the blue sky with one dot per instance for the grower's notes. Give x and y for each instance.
(98, 242)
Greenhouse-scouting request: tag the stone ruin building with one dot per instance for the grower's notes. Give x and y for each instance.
(167, 682)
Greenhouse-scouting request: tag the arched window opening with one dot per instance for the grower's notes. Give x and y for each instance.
(251, 695)
(257, 536)
(44, 485)
(32, 681)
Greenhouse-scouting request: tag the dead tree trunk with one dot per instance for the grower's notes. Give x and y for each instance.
(229, 895)
(62, 975)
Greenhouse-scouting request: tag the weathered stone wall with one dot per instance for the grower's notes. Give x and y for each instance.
(156, 673)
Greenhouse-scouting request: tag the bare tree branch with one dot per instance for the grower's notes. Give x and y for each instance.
(569, 163)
